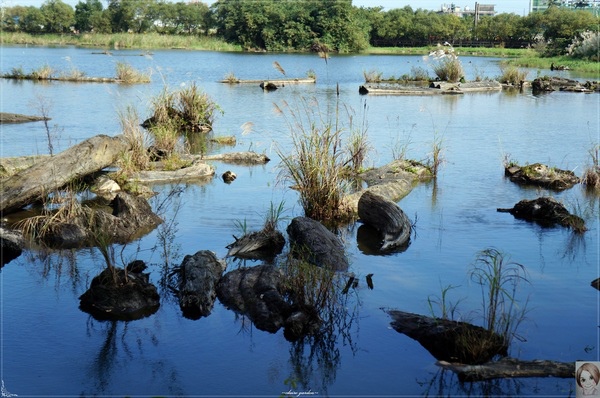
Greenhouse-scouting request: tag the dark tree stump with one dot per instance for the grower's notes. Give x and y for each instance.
(198, 278)
(547, 212)
(387, 218)
(122, 296)
(312, 242)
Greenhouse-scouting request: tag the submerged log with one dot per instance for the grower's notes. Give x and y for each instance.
(387, 218)
(392, 181)
(313, 242)
(39, 180)
(510, 367)
(198, 170)
(198, 278)
(241, 158)
(451, 341)
(119, 295)
(547, 212)
(541, 175)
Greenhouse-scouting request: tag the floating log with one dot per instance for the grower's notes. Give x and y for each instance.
(242, 158)
(276, 82)
(198, 170)
(198, 278)
(509, 368)
(448, 340)
(6, 118)
(39, 180)
(435, 88)
(264, 244)
(387, 218)
(312, 242)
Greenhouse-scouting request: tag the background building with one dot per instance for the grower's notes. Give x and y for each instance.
(587, 5)
(478, 11)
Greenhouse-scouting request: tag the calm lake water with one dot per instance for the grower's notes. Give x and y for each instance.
(50, 347)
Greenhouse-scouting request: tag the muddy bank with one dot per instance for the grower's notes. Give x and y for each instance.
(7, 118)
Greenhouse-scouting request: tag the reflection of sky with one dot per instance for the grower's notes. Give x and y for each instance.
(519, 7)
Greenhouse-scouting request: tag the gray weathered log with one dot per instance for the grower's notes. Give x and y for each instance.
(6, 118)
(239, 158)
(39, 180)
(198, 278)
(510, 367)
(386, 217)
(449, 340)
(312, 242)
(197, 171)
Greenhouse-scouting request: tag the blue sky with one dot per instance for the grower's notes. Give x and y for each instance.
(519, 7)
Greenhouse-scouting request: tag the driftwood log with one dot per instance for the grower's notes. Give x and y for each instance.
(197, 171)
(541, 175)
(39, 180)
(198, 278)
(547, 212)
(387, 218)
(6, 118)
(242, 158)
(448, 340)
(313, 242)
(510, 367)
(263, 245)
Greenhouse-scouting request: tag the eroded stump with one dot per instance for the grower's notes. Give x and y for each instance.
(540, 175)
(311, 241)
(387, 218)
(547, 212)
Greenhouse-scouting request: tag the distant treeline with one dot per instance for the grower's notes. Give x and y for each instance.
(302, 25)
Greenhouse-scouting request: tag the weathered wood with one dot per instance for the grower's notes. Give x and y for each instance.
(198, 170)
(198, 278)
(6, 118)
(277, 82)
(12, 165)
(11, 245)
(541, 175)
(386, 217)
(312, 242)
(238, 158)
(510, 367)
(39, 180)
(435, 88)
(264, 244)
(449, 340)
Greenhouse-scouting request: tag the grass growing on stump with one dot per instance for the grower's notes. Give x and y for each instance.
(319, 164)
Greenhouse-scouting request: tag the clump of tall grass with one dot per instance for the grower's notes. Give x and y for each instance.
(231, 78)
(591, 176)
(15, 73)
(512, 75)
(136, 158)
(319, 165)
(44, 72)
(500, 279)
(447, 66)
(437, 158)
(372, 76)
(418, 73)
(129, 75)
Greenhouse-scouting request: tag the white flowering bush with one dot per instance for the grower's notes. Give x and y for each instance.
(585, 46)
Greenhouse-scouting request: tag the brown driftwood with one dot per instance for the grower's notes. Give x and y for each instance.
(39, 180)
(510, 367)
(387, 218)
(449, 340)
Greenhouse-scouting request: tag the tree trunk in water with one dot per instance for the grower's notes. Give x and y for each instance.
(39, 180)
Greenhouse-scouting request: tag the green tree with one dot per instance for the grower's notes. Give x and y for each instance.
(84, 12)
(59, 17)
(32, 20)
